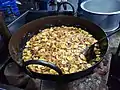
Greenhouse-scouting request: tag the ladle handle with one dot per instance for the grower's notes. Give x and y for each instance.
(43, 63)
(109, 35)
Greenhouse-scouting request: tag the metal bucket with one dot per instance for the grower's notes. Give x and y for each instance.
(105, 13)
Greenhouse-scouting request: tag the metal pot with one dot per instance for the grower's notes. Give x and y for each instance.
(104, 13)
(19, 39)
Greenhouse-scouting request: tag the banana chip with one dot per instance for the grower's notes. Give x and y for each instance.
(61, 46)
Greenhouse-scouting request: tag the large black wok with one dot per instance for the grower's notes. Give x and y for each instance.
(18, 40)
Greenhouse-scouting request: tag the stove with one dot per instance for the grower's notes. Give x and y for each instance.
(16, 77)
(11, 74)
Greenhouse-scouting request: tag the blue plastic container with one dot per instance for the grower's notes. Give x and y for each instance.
(9, 6)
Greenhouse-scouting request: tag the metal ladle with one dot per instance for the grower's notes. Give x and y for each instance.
(89, 51)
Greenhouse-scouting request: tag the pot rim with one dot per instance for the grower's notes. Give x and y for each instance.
(100, 13)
